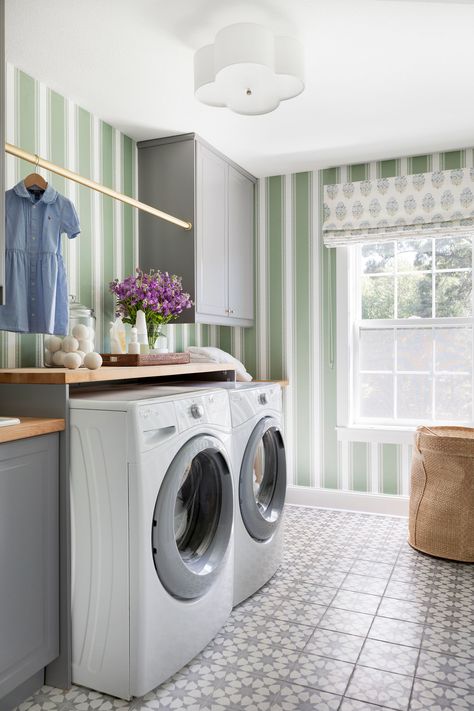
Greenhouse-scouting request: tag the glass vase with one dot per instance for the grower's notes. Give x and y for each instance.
(153, 333)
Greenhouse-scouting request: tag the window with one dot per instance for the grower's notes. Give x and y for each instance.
(412, 331)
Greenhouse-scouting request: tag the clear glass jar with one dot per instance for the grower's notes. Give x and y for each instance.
(80, 338)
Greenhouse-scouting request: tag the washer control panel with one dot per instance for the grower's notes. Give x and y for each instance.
(207, 408)
(197, 411)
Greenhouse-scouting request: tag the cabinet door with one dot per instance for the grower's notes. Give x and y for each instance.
(211, 234)
(2, 154)
(241, 212)
(29, 542)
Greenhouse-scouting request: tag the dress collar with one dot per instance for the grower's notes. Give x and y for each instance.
(49, 195)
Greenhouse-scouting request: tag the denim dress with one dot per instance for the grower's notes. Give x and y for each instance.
(36, 298)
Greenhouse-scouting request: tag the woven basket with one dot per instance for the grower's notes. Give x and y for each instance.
(442, 493)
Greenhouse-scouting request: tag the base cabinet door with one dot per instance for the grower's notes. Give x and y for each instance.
(29, 584)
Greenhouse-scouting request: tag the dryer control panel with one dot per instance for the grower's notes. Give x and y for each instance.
(249, 402)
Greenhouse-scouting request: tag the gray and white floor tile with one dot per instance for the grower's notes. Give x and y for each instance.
(380, 687)
(428, 696)
(354, 620)
(441, 669)
(396, 631)
(389, 657)
(299, 698)
(337, 645)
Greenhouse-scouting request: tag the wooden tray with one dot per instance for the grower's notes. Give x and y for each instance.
(130, 359)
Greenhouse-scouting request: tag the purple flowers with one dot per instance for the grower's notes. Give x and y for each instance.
(159, 294)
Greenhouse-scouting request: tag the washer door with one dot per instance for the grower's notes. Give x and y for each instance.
(192, 521)
(262, 484)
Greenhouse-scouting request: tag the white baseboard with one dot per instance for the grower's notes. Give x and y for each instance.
(348, 500)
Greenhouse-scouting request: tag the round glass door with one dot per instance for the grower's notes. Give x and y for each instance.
(198, 506)
(192, 521)
(262, 484)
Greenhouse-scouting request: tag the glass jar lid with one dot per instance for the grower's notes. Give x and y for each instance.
(77, 310)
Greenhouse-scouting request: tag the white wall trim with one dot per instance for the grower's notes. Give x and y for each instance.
(348, 500)
(381, 435)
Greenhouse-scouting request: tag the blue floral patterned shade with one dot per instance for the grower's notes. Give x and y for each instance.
(387, 208)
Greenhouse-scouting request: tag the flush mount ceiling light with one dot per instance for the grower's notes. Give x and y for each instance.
(248, 69)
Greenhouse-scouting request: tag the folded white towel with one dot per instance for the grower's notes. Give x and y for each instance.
(207, 354)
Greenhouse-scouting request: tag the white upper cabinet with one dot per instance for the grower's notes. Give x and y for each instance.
(186, 177)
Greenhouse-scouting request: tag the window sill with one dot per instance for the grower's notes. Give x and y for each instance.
(386, 434)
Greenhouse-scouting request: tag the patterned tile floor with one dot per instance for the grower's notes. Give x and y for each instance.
(354, 620)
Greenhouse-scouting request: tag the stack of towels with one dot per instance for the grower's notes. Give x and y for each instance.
(216, 355)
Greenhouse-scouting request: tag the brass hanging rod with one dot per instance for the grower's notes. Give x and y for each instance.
(69, 175)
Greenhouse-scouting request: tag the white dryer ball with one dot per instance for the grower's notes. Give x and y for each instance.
(48, 357)
(53, 343)
(86, 346)
(81, 332)
(70, 344)
(92, 360)
(81, 354)
(72, 361)
(58, 358)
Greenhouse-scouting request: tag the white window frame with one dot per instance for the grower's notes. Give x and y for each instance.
(349, 424)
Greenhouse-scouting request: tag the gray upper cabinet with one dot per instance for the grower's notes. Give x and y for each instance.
(186, 177)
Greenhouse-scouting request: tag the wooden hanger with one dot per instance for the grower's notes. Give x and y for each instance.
(35, 179)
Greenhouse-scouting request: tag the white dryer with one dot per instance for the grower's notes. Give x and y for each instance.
(152, 543)
(259, 465)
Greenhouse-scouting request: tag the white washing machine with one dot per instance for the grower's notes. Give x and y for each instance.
(259, 467)
(259, 484)
(152, 541)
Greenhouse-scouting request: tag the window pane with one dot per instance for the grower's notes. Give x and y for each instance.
(414, 296)
(378, 258)
(376, 395)
(453, 349)
(414, 397)
(413, 254)
(378, 297)
(453, 252)
(453, 397)
(414, 349)
(376, 349)
(453, 294)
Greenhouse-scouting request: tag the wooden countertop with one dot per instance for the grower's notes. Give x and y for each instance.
(63, 376)
(30, 427)
(281, 383)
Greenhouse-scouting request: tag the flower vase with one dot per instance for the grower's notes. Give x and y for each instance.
(157, 341)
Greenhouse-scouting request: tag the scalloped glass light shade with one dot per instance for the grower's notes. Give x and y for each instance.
(248, 70)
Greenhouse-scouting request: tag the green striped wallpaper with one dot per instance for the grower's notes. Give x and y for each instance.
(295, 278)
(44, 122)
(296, 316)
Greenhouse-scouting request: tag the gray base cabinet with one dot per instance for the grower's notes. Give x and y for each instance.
(29, 559)
(186, 177)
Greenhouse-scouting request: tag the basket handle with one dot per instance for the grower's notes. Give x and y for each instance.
(417, 440)
(424, 427)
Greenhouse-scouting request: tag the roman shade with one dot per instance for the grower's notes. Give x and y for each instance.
(383, 209)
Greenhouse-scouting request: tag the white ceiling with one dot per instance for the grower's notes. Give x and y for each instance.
(383, 77)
